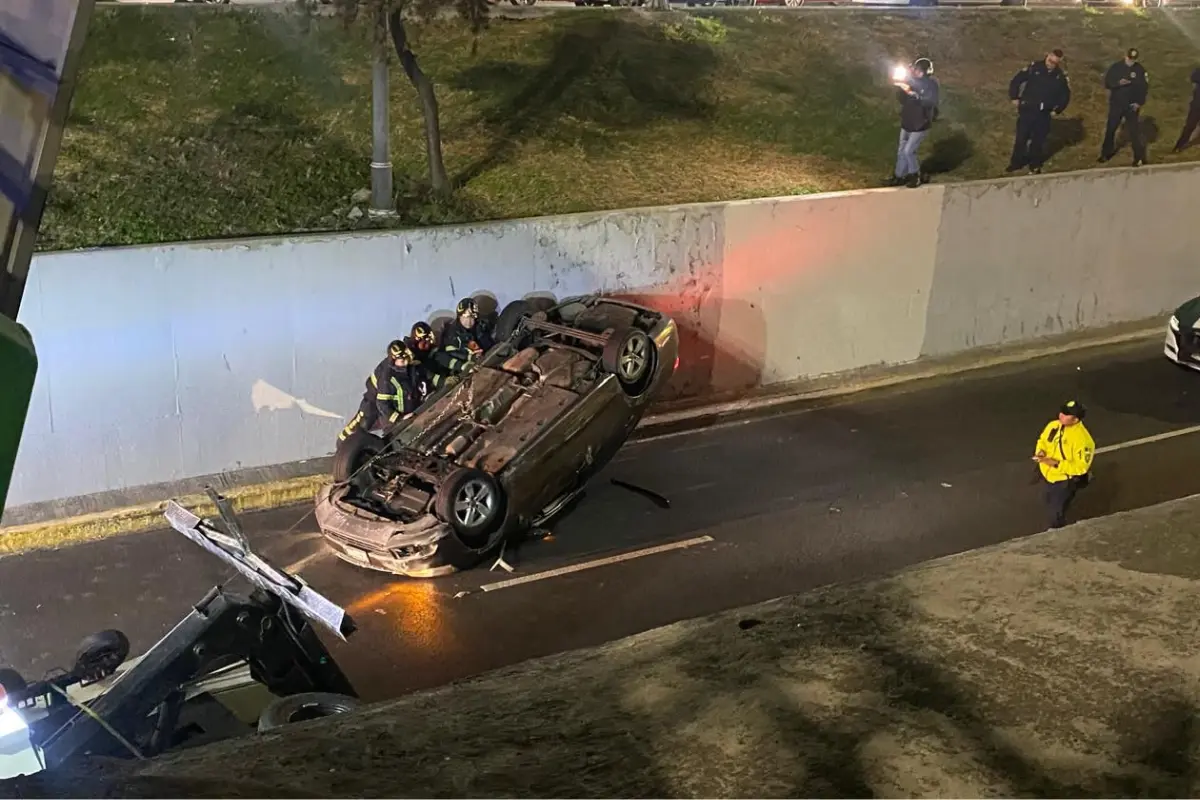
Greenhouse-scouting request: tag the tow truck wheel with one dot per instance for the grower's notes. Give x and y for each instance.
(304, 706)
(100, 654)
(630, 355)
(11, 682)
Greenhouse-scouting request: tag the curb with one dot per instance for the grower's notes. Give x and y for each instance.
(276, 494)
(137, 519)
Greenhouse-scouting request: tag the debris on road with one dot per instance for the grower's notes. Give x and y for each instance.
(655, 497)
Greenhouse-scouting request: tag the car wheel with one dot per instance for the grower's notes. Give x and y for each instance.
(630, 355)
(472, 502)
(305, 706)
(511, 316)
(358, 448)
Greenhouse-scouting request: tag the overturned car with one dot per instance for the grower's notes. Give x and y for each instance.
(507, 447)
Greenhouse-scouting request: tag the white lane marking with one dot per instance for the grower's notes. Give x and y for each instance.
(1148, 439)
(600, 562)
(300, 564)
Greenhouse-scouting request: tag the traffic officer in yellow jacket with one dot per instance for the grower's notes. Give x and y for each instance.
(392, 391)
(1064, 455)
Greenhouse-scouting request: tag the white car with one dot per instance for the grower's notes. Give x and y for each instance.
(1183, 335)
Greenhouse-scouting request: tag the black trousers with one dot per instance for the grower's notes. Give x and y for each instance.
(1189, 127)
(1058, 497)
(1029, 146)
(1133, 126)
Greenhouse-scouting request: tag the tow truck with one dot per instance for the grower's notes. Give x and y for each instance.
(191, 686)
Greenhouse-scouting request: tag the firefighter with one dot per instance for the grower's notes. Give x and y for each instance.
(1039, 90)
(464, 339)
(1064, 455)
(423, 342)
(392, 391)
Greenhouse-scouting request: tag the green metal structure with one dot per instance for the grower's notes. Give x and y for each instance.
(40, 46)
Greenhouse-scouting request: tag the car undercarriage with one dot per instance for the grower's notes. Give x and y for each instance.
(506, 447)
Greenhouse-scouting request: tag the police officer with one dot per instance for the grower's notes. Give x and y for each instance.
(1039, 90)
(392, 391)
(1127, 85)
(918, 96)
(1193, 115)
(1064, 455)
(423, 342)
(464, 339)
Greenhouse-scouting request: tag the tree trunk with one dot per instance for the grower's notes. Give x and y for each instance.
(658, 5)
(382, 197)
(429, 107)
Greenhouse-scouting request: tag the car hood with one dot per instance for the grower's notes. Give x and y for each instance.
(494, 413)
(1188, 314)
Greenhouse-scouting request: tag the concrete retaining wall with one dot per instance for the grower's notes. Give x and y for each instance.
(164, 363)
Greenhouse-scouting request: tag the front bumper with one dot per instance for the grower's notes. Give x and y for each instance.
(369, 541)
(1182, 347)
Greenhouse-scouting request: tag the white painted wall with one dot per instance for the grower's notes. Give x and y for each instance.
(162, 363)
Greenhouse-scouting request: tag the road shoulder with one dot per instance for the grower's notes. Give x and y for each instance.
(1056, 665)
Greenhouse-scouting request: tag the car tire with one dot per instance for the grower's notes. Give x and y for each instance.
(511, 316)
(352, 453)
(305, 706)
(472, 503)
(630, 354)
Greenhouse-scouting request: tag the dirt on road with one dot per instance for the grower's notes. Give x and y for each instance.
(1060, 665)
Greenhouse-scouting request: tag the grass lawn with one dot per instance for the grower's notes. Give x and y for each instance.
(194, 123)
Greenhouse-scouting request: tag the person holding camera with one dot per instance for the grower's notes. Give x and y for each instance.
(918, 92)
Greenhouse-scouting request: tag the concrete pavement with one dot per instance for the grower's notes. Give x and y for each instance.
(863, 486)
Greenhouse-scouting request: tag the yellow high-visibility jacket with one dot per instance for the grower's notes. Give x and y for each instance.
(1072, 445)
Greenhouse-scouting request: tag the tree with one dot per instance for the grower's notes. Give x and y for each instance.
(388, 20)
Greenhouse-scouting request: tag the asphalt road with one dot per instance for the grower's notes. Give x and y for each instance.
(791, 502)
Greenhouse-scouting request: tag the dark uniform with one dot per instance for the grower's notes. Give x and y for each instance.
(1124, 104)
(462, 342)
(391, 392)
(1041, 91)
(1193, 117)
(423, 342)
